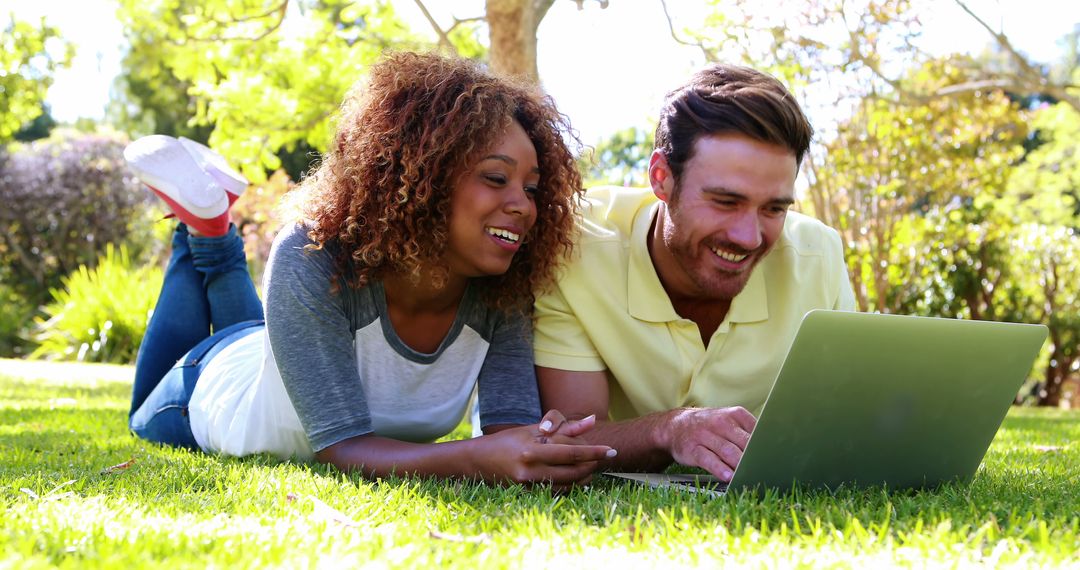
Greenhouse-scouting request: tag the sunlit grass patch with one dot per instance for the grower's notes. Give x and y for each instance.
(79, 491)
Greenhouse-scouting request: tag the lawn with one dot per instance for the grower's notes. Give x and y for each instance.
(79, 491)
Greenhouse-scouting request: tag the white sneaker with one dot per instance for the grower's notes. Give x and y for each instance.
(166, 167)
(215, 165)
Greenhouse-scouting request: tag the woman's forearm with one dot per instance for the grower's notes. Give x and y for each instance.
(515, 455)
(376, 456)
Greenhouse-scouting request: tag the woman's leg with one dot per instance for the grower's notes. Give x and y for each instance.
(214, 272)
(206, 286)
(181, 319)
(227, 284)
(163, 417)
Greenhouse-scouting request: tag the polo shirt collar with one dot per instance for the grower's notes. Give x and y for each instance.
(648, 301)
(646, 298)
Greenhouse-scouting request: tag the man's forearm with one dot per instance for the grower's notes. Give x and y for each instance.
(639, 442)
(710, 438)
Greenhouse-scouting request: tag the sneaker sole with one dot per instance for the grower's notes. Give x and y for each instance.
(211, 227)
(164, 165)
(213, 163)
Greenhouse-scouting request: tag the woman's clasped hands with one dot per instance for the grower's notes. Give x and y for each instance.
(549, 451)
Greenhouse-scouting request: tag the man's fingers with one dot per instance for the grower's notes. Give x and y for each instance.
(708, 460)
(575, 428)
(552, 421)
(743, 418)
(740, 438)
(730, 454)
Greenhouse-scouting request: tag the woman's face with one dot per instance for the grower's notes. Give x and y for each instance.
(493, 206)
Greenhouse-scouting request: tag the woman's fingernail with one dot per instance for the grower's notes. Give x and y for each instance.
(545, 425)
(611, 453)
(589, 417)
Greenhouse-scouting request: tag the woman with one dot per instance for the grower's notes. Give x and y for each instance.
(444, 203)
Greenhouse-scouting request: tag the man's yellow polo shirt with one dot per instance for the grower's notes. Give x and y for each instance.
(610, 312)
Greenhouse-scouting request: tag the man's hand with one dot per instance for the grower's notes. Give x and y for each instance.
(710, 438)
(555, 428)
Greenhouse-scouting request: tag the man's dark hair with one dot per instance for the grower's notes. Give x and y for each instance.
(722, 99)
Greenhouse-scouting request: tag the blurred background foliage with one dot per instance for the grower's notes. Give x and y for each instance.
(64, 198)
(99, 314)
(26, 71)
(953, 179)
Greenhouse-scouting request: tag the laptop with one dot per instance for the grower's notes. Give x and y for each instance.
(867, 399)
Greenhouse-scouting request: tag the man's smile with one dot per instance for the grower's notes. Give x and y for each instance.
(729, 256)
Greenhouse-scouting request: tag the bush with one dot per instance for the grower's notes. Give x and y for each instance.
(63, 199)
(100, 313)
(15, 316)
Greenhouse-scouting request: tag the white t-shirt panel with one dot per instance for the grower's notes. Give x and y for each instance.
(239, 405)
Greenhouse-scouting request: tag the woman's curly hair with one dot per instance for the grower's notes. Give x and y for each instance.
(380, 199)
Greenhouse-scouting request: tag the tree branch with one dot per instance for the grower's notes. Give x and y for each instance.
(541, 7)
(1031, 78)
(709, 54)
(460, 21)
(280, 9)
(857, 55)
(444, 36)
(1003, 41)
(445, 43)
(1028, 77)
(581, 4)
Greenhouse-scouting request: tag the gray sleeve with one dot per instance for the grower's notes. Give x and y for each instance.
(507, 384)
(310, 336)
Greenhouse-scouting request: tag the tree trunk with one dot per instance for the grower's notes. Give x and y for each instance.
(512, 26)
(1050, 395)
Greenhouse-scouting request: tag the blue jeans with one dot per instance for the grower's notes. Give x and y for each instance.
(206, 289)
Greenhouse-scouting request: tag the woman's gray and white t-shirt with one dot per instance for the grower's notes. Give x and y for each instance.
(331, 367)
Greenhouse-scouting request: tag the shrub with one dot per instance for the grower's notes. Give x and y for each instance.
(15, 316)
(64, 198)
(100, 313)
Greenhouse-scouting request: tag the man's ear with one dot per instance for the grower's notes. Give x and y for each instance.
(660, 177)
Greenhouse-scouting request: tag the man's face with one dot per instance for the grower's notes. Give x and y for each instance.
(724, 216)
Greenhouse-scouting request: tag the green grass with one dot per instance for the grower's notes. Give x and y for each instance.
(62, 426)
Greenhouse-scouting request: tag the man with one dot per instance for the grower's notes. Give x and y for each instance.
(677, 311)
